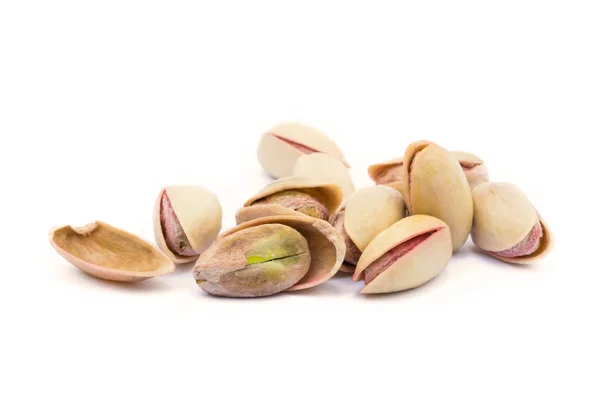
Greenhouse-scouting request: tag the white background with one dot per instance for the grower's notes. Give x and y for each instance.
(103, 103)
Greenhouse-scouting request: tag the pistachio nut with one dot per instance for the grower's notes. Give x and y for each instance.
(293, 195)
(362, 216)
(507, 226)
(433, 183)
(268, 255)
(326, 168)
(406, 255)
(187, 219)
(106, 252)
(280, 147)
(390, 172)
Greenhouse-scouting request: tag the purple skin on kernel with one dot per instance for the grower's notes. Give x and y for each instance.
(466, 165)
(526, 246)
(173, 233)
(352, 252)
(304, 149)
(392, 255)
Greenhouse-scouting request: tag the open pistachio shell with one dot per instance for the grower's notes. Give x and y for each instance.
(106, 252)
(326, 168)
(433, 183)
(366, 213)
(280, 147)
(507, 226)
(406, 255)
(187, 219)
(474, 168)
(326, 247)
(328, 195)
(388, 173)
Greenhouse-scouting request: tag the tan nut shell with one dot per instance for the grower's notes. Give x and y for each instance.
(475, 175)
(326, 168)
(106, 252)
(327, 248)
(438, 187)
(503, 216)
(415, 268)
(200, 215)
(279, 157)
(327, 193)
(376, 171)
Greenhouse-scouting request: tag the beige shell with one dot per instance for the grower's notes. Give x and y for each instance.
(503, 217)
(326, 246)
(106, 252)
(199, 214)
(367, 212)
(414, 267)
(474, 168)
(326, 168)
(280, 147)
(434, 184)
(327, 193)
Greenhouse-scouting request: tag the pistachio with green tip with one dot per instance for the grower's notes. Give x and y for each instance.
(507, 226)
(293, 195)
(283, 144)
(362, 216)
(269, 255)
(187, 219)
(406, 255)
(326, 168)
(433, 183)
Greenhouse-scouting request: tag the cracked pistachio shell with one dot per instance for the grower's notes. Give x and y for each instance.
(474, 168)
(280, 147)
(387, 173)
(504, 217)
(188, 215)
(256, 261)
(329, 194)
(406, 255)
(106, 252)
(326, 247)
(367, 212)
(434, 184)
(326, 168)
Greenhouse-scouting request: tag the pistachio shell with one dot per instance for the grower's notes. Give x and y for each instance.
(257, 261)
(387, 172)
(187, 214)
(406, 255)
(504, 217)
(280, 147)
(326, 168)
(474, 168)
(106, 252)
(434, 184)
(326, 246)
(329, 194)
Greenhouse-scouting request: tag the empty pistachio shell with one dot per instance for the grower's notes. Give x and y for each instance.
(187, 219)
(293, 195)
(507, 226)
(109, 253)
(362, 216)
(474, 168)
(407, 254)
(390, 172)
(326, 168)
(280, 147)
(263, 239)
(433, 183)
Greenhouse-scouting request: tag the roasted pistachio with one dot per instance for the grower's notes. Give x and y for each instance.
(280, 147)
(293, 195)
(268, 255)
(433, 183)
(407, 254)
(106, 252)
(187, 219)
(363, 215)
(507, 226)
(326, 168)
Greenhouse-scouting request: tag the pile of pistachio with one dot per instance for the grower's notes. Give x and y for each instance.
(310, 223)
